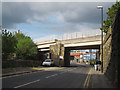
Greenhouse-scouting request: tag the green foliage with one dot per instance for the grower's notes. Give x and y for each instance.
(25, 48)
(92, 61)
(19, 36)
(8, 43)
(18, 43)
(111, 14)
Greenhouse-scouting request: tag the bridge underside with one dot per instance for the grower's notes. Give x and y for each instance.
(68, 49)
(84, 47)
(92, 42)
(42, 55)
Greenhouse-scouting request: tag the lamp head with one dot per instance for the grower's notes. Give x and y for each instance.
(99, 7)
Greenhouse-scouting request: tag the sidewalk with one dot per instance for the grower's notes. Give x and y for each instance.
(20, 70)
(99, 80)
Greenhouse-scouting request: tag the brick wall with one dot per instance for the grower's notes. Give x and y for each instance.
(107, 50)
(111, 52)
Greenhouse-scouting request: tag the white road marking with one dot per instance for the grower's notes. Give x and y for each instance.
(74, 68)
(68, 70)
(27, 83)
(71, 69)
(51, 75)
(46, 77)
(63, 72)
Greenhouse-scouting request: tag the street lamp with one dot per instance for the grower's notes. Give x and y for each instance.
(101, 7)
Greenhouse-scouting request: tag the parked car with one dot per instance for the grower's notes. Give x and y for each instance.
(48, 62)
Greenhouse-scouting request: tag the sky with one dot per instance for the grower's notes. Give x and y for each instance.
(48, 20)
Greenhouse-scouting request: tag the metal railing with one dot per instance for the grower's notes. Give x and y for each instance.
(70, 35)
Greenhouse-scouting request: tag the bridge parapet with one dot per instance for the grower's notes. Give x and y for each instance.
(47, 42)
(81, 40)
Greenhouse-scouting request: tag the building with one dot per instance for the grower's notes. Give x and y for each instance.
(82, 55)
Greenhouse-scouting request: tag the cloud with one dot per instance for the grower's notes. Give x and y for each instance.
(69, 16)
(85, 33)
(50, 37)
(66, 27)
(59, 0)
(0, 14)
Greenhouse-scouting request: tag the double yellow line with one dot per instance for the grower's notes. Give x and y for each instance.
(86, 83)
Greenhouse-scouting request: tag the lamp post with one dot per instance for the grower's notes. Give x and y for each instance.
(101, 7)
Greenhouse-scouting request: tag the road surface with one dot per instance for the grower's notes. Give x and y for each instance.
(68, 77)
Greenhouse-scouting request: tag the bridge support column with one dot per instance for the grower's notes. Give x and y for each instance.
(57, 51)
(67, 57)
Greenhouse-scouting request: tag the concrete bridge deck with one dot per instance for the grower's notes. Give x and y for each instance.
(77, 42)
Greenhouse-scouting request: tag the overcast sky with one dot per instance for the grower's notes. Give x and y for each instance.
(38, 19)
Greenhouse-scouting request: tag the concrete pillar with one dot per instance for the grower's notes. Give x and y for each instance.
(57, 51)
(67, 57)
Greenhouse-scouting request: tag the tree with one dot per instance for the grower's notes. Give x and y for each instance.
(17, 43)
(8, 43)
(111, 14)
(25, 48)
(19, 35)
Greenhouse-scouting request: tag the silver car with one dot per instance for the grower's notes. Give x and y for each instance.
(48, 62)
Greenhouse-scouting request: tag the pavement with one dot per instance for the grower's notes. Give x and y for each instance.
(33, 69)
(99, 80)
(85, 73)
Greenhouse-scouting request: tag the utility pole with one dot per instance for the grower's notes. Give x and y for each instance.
(101, 7)
(76, 34)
